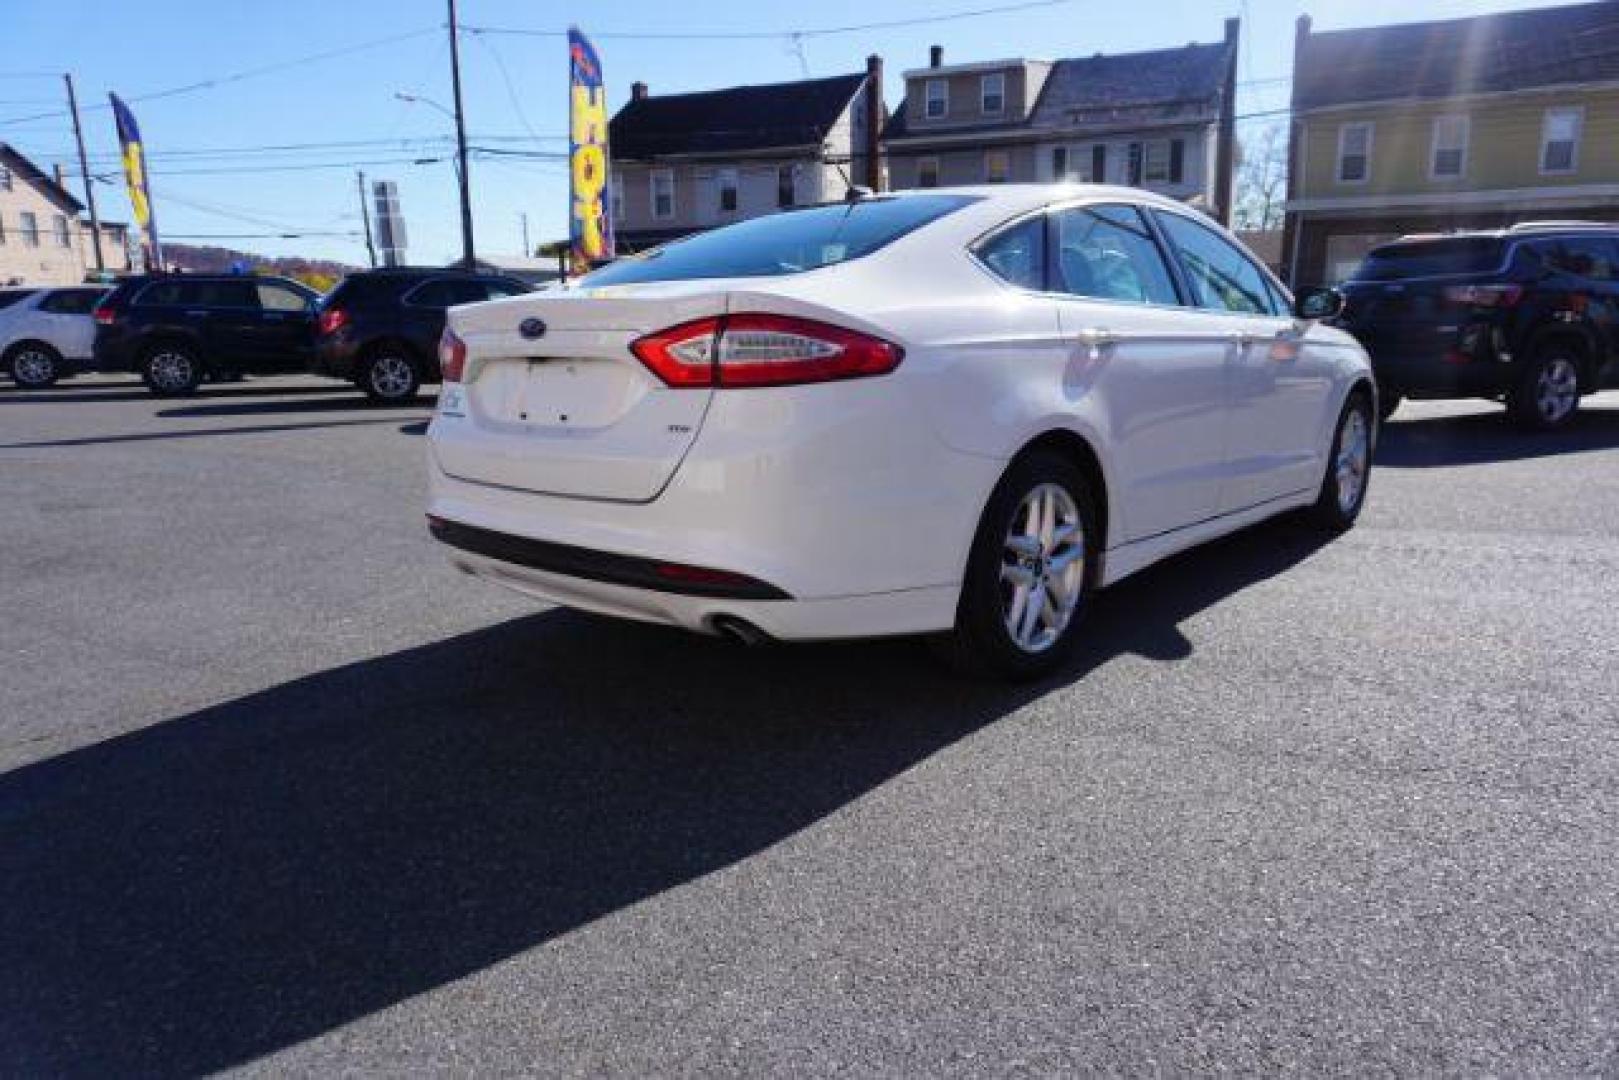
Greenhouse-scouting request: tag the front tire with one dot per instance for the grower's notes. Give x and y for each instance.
(1030, 573)
(1349, 467)
(34, 366)
(1547, 393)
(171, 370)
(390, 377)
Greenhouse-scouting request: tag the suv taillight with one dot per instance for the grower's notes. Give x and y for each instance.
(763, 350)
(1484, 295)
(103, 315)
(452, 356)
(332, 320)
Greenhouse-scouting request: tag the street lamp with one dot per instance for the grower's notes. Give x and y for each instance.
(467, 256)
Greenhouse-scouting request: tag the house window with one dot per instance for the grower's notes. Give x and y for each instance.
(725, 179)
(1059, 163)
(59, 224)
(663, 194)
(616, 193)
(997, 166)
(1098, 173)
(1448, 158)
(938, 98)
(29, 226)
(785, 194)
(1156, 162)
(5, 178)
(1560, 140)
(927, 172)
(2, 228)
(992, 94)
(1354, 153)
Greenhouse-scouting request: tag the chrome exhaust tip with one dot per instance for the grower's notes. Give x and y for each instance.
(739, 630)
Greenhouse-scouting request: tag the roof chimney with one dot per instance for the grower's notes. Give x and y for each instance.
(1232, 27)
(936, 56)
(56, 172)
(874, 122)
(638, 91)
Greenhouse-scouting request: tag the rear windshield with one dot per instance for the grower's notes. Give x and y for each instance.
(784, 243)
(1430, 258)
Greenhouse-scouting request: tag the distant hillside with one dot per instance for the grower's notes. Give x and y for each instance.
(218, 260)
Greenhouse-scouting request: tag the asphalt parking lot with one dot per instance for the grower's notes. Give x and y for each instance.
(282, 792)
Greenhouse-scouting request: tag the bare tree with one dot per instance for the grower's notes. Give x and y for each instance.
(1262, 179)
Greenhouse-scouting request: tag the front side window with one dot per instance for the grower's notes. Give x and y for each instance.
(927, 172)
(1449, 156)
(997, 166)
(992, 94)
(785, 193)
(1108, 253)
(1221, 276)
(725, 181)
(938, 98)
(1560, 140)
(28, 225)
(280, 298)
(1017, 255)
(786, 243)
(663, 193)
(1354, 153)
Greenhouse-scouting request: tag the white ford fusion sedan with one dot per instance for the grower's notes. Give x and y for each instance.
(951, 411)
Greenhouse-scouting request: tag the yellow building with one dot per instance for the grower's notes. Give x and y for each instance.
(1466, 123)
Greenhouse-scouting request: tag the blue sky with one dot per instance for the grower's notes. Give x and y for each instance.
(514, 85)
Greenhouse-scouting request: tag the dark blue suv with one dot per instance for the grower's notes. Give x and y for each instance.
(1527, 315)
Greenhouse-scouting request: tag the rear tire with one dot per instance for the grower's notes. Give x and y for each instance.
(1030, 573)
(1547, 393)
(171, 370)
(34, 365)
(1349, 467)
(390, 376)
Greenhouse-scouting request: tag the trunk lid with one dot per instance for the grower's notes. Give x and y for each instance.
(566, 408)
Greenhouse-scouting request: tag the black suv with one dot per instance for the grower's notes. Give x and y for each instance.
(380, 328)
(177, 329)
(1528, 315)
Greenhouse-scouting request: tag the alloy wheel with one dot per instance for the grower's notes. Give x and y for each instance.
(391, 376)
(1557, 390)
(170, 370)
(1042, 568)
(33, 367)
(1354, 457)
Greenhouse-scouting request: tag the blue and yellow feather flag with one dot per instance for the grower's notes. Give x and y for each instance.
(140, 192)
(590, 211)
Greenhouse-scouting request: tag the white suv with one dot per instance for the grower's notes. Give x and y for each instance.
(47, 333)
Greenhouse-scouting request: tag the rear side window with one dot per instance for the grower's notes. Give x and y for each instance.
(14, 296)
(201, 294)
(71, 301)
(1017, 254)
(1107, 253)
(273, 297)
(1589, 257)
(1430, 258)
(785, 243)
(1221, 276)
(500, 287)
(447, 292)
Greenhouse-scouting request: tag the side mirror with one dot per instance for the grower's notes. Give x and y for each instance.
(1318, 302)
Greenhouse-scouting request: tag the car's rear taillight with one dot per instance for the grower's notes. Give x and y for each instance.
(452, 356)
(103, 315)
(332, 320)
(763, 350)
(1484, 295)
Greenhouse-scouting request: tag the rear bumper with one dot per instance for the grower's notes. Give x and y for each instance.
(1463, 364)
(335, 356)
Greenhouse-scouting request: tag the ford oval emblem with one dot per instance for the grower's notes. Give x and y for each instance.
(532, 328)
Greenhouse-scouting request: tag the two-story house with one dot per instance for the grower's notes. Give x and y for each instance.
(43, 241)
(1435, 126)
(682, 163)
(1162, 120)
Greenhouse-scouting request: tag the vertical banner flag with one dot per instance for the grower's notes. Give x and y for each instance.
(140, 193)
(590, 213)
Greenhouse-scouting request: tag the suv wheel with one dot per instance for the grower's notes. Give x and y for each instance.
(171, 370)
(1030, 574)
(1548, 392)
(390, 378)
(1349, 466)
(34, 366)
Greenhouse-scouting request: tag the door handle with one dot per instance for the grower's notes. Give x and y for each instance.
(1094, 339)
(195, 314)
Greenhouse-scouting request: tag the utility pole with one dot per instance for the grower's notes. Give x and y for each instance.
(526, 252)
(467, 255)
(84, 171)
(365, 216)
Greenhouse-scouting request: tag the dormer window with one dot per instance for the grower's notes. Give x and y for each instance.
(992, 94)
(938, 99)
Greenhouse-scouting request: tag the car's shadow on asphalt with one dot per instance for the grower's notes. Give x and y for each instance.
(215, 887)
(70, 393)
(353, 402)
(1487, 437)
